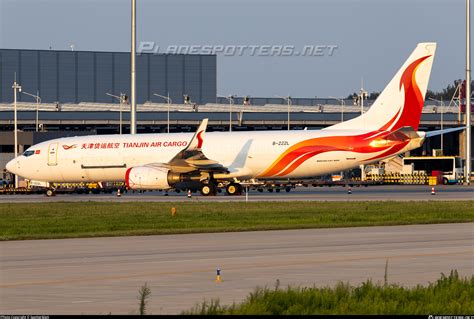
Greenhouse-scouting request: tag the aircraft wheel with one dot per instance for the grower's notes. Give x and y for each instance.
(208, 190)
(234, 189)
(287, 189)
(50, 192)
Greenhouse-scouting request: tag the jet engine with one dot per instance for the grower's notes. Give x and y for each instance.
(147, 177)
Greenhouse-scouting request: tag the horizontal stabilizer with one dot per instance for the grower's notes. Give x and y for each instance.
(402, 134)
(439, 132)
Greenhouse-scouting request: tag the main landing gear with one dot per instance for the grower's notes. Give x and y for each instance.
(233, 189)
(210, 188)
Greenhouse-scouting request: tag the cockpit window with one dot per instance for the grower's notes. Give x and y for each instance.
(28, 153)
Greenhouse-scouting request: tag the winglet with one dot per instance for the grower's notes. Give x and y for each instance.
(198, 138)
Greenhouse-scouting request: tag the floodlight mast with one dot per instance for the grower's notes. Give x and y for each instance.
(38, 101)
(168, 100)
(133, 110)
(16, 88)
(121, 99)
(342, 106)
(288, 100)
(230, 98)
(442, 110)
(468, 94)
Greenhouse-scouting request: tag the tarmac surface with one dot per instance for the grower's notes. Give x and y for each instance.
(103, 275)
(335, 193)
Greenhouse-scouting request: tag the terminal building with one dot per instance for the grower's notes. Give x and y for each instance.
(73, 87)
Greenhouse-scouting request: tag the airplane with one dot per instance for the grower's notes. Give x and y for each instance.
(178, 160)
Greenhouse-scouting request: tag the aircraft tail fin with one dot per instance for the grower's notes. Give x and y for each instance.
(401, 102)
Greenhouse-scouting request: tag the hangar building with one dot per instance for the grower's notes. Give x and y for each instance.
(83, 76)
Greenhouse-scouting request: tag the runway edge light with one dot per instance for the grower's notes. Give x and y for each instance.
(218, 275)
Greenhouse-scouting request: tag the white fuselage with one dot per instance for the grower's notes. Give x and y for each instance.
(388, 128)
(245, 154)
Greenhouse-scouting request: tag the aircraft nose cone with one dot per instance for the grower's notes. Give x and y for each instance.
(11, 166)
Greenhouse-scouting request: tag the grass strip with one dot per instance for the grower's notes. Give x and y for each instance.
(448, 295)
(93, 219)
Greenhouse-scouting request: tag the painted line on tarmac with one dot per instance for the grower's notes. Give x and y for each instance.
(207, 270)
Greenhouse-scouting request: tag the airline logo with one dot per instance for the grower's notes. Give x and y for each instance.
(408, 115)
(68, 147)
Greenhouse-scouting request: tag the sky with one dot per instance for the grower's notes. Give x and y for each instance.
(372, 38)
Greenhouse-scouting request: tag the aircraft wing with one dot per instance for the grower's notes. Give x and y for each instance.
(192, 158)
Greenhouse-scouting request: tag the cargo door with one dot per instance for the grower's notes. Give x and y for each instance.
(53, 154)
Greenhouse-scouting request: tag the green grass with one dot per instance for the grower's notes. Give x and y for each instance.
(89, 219)
(449, 295)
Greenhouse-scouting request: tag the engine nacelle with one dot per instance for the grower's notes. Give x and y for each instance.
(147, 177)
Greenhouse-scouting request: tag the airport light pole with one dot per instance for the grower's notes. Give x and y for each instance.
(288, 100)
(121, 99)
(16, 87)
(468, 93)
(168, 100)
(442, 108)
(362, 94)
(342, 106)
(133, 113)
(38, 101)
(231, 101)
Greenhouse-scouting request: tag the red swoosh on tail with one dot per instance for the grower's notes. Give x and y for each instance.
(200, 140)
(411, 111)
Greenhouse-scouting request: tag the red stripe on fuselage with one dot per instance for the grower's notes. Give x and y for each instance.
(127, 177)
